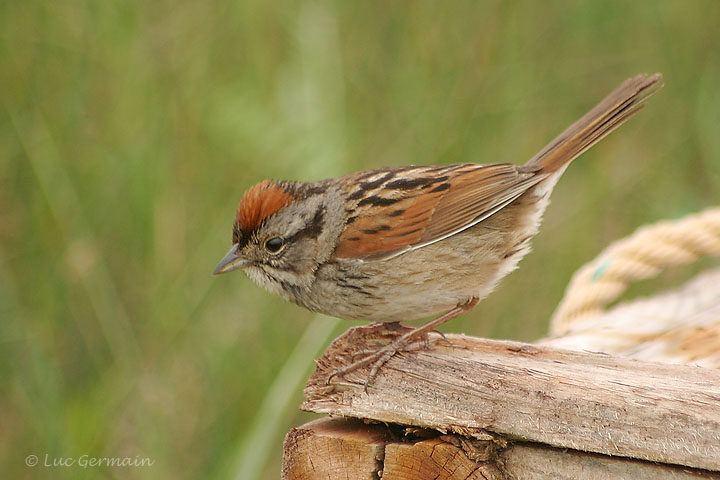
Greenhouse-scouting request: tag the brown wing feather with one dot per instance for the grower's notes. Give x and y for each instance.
(380, 229)
(475, 191)
(453, 198)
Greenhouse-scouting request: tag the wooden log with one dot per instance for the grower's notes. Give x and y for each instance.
(435, 458)
(533, 461)
(582, 401)
(334, 449)
(350, 449)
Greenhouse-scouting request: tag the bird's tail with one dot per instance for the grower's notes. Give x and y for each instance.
(624, 102)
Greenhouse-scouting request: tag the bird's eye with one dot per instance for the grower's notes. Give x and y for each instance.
(274, 244)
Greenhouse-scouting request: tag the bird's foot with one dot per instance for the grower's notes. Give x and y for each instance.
(411, 341)
(405, 340)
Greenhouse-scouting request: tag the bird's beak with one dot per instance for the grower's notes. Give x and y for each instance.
(232, 261)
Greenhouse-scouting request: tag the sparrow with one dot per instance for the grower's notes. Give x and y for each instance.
(404, 243)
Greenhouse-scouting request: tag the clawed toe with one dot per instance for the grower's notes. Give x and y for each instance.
(370, 357)
(442, 338)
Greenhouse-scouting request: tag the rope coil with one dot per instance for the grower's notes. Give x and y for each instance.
(642, 255)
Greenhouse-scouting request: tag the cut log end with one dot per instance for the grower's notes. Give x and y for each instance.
(349, 449)
(334, 448)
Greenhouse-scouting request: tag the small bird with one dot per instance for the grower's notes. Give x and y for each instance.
(404, 243)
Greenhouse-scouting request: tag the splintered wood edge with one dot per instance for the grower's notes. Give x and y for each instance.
(352, 450)
(566, 399)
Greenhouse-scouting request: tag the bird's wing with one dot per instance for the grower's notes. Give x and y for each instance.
(399, 209)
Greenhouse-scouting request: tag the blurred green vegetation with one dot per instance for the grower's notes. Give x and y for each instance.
(129, 130)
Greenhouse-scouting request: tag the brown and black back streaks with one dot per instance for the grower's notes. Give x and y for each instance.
(413, 183)
(386, 187)
(398, 178)
(377, 201)
(394, 209)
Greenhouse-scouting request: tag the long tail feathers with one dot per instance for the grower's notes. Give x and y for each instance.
(624, 102)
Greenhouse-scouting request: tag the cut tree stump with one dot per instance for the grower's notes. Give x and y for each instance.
(497, 409)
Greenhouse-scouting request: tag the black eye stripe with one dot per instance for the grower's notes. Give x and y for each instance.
(313, 229)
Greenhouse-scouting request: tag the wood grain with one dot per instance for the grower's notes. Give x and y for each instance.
(583, 401)
(334, 448)
(533, 461)
(350, 449)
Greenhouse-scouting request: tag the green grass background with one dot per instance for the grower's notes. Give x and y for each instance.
(129, 130)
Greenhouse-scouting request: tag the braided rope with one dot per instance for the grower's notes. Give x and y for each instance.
(642, 255)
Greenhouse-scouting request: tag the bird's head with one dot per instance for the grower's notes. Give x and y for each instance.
(282, 232)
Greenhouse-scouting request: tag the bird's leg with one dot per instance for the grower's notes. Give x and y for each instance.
(379, 357)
